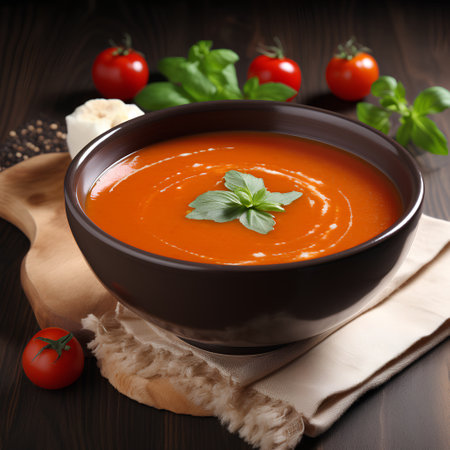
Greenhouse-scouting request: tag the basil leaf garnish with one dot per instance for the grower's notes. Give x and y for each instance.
(235, 180)
(259, 221)
(284, 199)
(247, 200)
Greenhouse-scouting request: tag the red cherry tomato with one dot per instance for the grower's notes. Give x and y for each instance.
(351, 72)
(120, 72)
(53, 358)
(275, 67)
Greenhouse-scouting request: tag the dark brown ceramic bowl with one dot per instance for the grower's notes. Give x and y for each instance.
(244, 307)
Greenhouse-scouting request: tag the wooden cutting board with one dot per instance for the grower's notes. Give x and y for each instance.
(59, 284)
(56, 279)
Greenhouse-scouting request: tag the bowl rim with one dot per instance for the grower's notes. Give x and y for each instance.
(73, 205)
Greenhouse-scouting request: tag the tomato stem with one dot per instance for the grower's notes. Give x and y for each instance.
(125, 48)
(350, 49)
(58, 345)
(272, 51)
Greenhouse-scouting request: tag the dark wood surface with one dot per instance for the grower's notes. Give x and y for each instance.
(47, 49)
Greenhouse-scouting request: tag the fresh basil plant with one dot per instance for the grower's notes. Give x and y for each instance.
(415, 125)
(205, 75)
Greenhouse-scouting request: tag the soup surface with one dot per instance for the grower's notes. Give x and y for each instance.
(143, 199)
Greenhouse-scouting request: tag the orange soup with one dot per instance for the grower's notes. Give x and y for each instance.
(143, 199)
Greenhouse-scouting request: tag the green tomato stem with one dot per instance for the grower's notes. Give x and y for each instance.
(58, 345)
(350, 49)
(272, 51)
(125, 48)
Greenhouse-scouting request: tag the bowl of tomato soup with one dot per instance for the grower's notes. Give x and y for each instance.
(244, 225)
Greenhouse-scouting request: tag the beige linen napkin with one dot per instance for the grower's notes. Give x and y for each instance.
(272, 399)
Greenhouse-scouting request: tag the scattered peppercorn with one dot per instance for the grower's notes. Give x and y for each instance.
(33, 138)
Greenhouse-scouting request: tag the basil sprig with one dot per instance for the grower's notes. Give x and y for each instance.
(247, 200)
(415, 125)
(205, 75)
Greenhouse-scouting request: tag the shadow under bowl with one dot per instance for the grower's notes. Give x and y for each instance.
(244, 308)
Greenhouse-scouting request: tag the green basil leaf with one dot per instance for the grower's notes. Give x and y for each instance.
(172, 68)
(195, 83)
(230, 77)
(390, 103)
(432, 100)
(219, 206)
(269, 206)
(161, 95)
(235, 180)
(384, 86)
(217, 60)
(250, 87)
(403, 135)
(216, 66)
(215, 199)
(260, 196)
(271, 91)
(198, 51)
(226, 83)
(400, 92)
(284, 199)
(258, 221)
(225, 214)
(374, 116)
(227, 93)
(426, 135)
(189, 75)
(245, 196)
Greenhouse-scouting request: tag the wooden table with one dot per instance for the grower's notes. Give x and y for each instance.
(46, 54)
